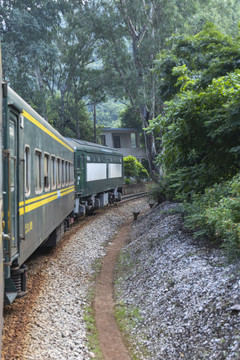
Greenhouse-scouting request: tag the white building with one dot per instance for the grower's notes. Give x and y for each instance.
(126, 140)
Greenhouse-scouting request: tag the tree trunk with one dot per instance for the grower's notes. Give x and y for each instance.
(95, 123)
(137, 38)
(149, 139)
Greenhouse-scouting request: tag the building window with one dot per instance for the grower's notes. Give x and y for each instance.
(116, 142)
(103, 139)
(133, 141)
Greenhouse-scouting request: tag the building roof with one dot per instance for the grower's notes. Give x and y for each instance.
(121, 129)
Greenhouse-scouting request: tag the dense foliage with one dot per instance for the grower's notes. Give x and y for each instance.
(134, 171)
(200, 130)
(216, 215)
(64, 57)
(88, 51)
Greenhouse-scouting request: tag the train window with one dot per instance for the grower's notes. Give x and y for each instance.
(72, 173)
(46, 172)
(53, 172)
(79, 162)
(58, 172)
(38, 171)
(27, 171)
(63, 173)
(66, 172)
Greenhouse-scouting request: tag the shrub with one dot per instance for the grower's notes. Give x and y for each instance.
(216, 214)
(161, 191)
(142, 173)
(134, 170)
(130, 167)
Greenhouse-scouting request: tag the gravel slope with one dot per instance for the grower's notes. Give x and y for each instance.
(55, 328)
(184, 290)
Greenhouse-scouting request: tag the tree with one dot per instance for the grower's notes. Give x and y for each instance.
(68, 121)
(48, 47)
(130, 118)
(28, 51)
(200, 126)
(131, 33)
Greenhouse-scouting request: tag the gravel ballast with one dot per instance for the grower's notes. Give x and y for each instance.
(187, 293)
(56, 328)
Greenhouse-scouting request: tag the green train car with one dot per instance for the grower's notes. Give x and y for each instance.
(38, 187)
(98, 172)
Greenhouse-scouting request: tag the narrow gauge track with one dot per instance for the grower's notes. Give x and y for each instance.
(134, 196)
(48, 322)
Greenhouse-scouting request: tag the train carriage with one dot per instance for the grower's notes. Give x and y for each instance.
(38, 186)
(98, 175)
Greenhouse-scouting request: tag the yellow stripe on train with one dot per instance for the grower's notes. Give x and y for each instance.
(43, 128)
(51, 197)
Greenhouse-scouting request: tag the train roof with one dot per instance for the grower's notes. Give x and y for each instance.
(21, 105)
(92, 147)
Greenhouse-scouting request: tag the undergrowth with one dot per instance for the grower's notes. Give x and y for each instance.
(216, 215)
(89, 319)
(126, 316)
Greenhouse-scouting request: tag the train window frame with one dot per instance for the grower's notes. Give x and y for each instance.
(27, 170)
(46, 171)
(58, 171)
(63, 172)
(66, 173)
(78, 162)
(71, 173)
(38, 171)
(53, 172)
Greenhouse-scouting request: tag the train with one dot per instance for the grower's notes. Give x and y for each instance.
(47, 181)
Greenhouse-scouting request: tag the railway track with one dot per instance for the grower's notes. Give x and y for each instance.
(52, 310)
(134, 196)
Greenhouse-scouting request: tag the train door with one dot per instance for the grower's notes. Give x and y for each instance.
(13, 184)
(80, 168)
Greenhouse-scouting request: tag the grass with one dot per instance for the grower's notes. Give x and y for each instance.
(127, 318)
(92, 333)
(89, 319)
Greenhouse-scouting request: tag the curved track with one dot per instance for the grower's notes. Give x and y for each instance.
(19, 316)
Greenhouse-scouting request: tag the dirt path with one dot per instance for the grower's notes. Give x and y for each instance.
(110, 338)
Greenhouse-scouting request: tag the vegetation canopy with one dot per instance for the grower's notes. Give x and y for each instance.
(66, 57)
(200, 128)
